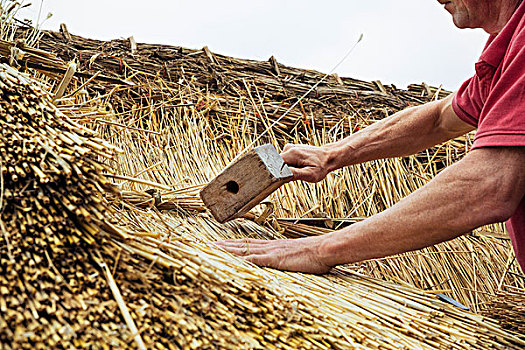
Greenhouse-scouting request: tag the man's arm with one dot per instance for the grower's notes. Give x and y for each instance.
(486, 186)
(404, 133)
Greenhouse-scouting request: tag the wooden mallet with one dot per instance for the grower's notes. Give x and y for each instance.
(245, 183)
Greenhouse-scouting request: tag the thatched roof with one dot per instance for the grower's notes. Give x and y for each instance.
(138, 267)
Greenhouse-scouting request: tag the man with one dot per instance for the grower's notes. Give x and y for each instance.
(486, 186)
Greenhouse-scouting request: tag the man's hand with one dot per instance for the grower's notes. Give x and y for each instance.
(307, 163)
(299, 255)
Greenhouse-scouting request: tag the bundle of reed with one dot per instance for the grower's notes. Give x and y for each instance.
(50, 207)
(45, 155)
(19, 52)
(508, 309)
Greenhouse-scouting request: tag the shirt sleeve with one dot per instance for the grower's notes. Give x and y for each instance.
(500, 115)
(503, 122)
(467, 102)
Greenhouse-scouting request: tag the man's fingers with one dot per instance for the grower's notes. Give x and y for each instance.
(237, 251)
(288, 147)
(261, 260)
(293, 156)
(245, 250)
(298, 173)
(241, 242)
(256, 254)
(282, 254)
(260, 252)
(304, 174)
(246, 247)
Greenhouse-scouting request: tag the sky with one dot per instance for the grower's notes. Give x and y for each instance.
(404, 41)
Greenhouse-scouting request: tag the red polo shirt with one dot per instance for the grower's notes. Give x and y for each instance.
(493, 100)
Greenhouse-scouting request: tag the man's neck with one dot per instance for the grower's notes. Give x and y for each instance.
(502, 14)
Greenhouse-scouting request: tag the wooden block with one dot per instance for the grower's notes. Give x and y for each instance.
(245, 183)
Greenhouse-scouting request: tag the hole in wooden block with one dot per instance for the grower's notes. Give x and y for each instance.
(232, 187)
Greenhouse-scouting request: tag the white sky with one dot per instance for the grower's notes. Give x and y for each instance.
(405, 41)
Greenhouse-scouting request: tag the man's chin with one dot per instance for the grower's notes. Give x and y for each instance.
(461, 23)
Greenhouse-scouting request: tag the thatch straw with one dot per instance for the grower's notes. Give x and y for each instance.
(177, 289)
(508, 308)
(223, 123)
(190, 153)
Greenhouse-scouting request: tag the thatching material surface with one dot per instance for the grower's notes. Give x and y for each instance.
(508, 308)
(179, 290)
(250, 96)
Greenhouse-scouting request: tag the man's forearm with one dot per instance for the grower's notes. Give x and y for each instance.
(404, 133)
(465, 196)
